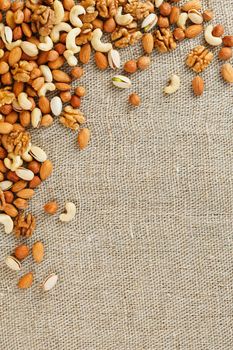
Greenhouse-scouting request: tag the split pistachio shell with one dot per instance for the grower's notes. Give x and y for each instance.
(149, 22)
(8, 34)
(12, 263)
(56, 106)
(38, 154)
(195, 16)
(24, 174)
(5, 185)
(50, 282)
(121, 82)
(114, 59)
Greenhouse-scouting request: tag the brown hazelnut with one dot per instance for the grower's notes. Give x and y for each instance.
(179, 34)
(34, 166)
(75, 101)
(165, 9)
(208, 15)
(163, 22)
(46, 120)
(143, 62)
(218, 30)
(225, 53)
(134, 99)
(80, 91)
(77, 72)
(65, 96)
(50, 208)
(130, 66)
(21, 252)
(109, 25)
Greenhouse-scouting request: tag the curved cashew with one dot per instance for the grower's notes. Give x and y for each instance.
(59, 12)
(97, 44)
(181, 23)
(26, 156)
(70, 58)
(14, 44)
(210, 39)
(173, 86)
(45, 44)
(74, 13)
(70, 40)
(24, 102)
(158, 3)
(36, 116)
(61, 27)
(46, 72)
(70, 212)
(13, 162)
(7, 222)
(123, 20)
(46, 87)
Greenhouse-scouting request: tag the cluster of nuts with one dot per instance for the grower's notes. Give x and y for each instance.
(41, 38)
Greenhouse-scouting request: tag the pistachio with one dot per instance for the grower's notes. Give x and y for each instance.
(50, 282)
(195, 16)
(121, 82)
(114, 59)
(38, 154)
(149, 22)
(24, 174)
(6, 185)
(13, 263)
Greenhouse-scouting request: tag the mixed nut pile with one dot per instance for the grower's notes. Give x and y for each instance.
(41, 44)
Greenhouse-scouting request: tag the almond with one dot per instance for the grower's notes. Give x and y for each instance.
(193, 31)
(25, 281)
(46, 169)
(50, 207)
(27, 193)
(18, 186)
(225, 53)
(148, 42)
(36, 181)
(61, 76)
(83, 138)
(63, 86)
(44, 105)
(85, 53)
(5, 128)
(25, 118)
(174, 15)
(14, 56)
(227, 72)
(191, 5)
(228, 40)
(20, 203)
(198, 85)
(10, 210)
(38, 252)
(101, 60)
(21, 252)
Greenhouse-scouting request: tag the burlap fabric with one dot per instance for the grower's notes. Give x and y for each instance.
(147, 263)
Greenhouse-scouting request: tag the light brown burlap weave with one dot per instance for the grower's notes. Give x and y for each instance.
(147, 263)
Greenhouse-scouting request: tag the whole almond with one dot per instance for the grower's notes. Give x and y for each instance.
(25, 281)
(35, 182)
(21, 252)
(18, 186)
(26, 193)
(179, 34)
(63, 86)
(148, 42)
(85, 53)
(44, 105)
(191, 5)
(46, 169)
(61, 76)
(193, 31)
(101, 60)
(198, 85)
(9, 197)
(20, 203)
(174, 15)
(58, 63)
(25, 118)
(83, 138)
(50, 208)
(228, 40)
(38, 252)
(10, 210)
(208, 15)
(225, 53)
(218, 30)
(14, 56)
(5, 128)
(227, 72)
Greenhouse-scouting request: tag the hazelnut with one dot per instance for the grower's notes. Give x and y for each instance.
(225, 53)
(80, 91)
(77, 72)
(208, 15)
(134, 99)
(75, 101)
(50, 208)
(179, 34)
(5, 5)
(130, 66)
(34, 166)
(163, 22)
(218, 30)
(109, 25)
(143, 62)
(52, 55)
(21, 252)
(9, 197)
(65, 96)
(165, 9)
(36, 181)
(46, 120)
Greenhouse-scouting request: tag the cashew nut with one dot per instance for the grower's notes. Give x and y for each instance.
(7, 222)
(13, 162)
(24, 102)
(29, 48)
(46, 87)
(59, 12)
(158, 3)
(14, 44)
(70, 40)
(181, 23)
(70, 58)
(70, 212)
(173, 86)
(97, 44)
(46, 72)
(61, 27)
(26, 156)
(74, 13)
(123, 20)
(210, 39)
(45, 44)
(36, 116)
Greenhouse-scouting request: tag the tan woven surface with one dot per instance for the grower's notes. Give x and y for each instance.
(147, 263)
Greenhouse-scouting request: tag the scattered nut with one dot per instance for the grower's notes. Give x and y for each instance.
(134, 99)
(70, 212)
(51, 208)
(174, 84)
(198, 85)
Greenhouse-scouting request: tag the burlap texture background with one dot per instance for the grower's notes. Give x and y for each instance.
(147, 263)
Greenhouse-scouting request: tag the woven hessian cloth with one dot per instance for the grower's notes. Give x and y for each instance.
(147, 262)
